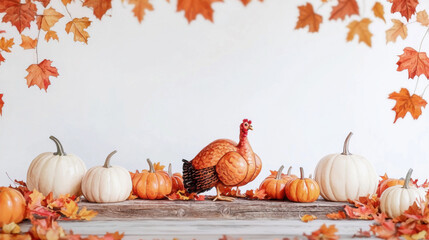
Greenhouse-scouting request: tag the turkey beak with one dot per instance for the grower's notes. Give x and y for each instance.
(250, 127)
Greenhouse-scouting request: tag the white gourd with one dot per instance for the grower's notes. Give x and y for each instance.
(345, 176)
(396, 199)
(58, 172)
(103, 184)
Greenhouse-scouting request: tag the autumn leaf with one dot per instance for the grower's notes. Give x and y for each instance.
(398, 29)
(49, 18)
(158, 167)
(27, 42)
(344, 8)
(38, 74)
(194, 7)
(406, 103)
(6, 44)
(422, 17)
(132, 196)
(324, 233)
(406, 7)
(307, 17)
(45, 3)
(51, 35)
(65, 2)
(100, 7)
(1, 103)
(378, 10)
(336, 215)
(308, 218)
(11, 228)
(77, 26)
(258, 194)
(365, 207)
(360, 28)
(46, 228)
(140, 8)
(113, 236)
(70, 209)
(19, 14)
(417, 63)
(384, 229)
(85, 214)
(362, 234)
(245, 2)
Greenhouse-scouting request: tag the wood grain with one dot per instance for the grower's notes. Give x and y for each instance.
(239, 209)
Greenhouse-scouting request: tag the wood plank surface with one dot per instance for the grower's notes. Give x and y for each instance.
(238, 209)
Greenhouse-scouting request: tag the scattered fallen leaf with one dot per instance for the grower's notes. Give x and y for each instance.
(6, 44)
(46, 228)
(77, 26)
(336, 215)
(324, 233)
(406, 7)
(20, 14)
(132, 196)
(85, 214)
(38, 74)
(378, 11)
(344, 8)
(194, 7)
(417, 63)
(360, 28)
(384, 229)
(11, 228)
(307, 17)
(308, 218)
(158, 167)
(100, 7)
(406, 103)
(422, 17)
(398, 29)
(113, 236)
(362, 234)
(257, 194)
(185, 196)
(28, 42)
(365, 207)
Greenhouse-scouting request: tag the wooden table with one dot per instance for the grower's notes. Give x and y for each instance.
(202, 220)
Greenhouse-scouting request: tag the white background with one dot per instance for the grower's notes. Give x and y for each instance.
(164, 89)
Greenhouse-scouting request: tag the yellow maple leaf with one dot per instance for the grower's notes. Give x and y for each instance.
(36, 198)
(28, 42)
(6, 44)
(87, 214)
(398, 29)
(51, 35)
(70, 210)
(49, 18)
(422, 17)
(158, 167)
(140, 7)
(11, 228)
(308, 218)
(77, 26)
(360, 28)
(378, 11)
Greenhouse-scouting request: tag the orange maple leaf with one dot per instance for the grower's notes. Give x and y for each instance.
(344, 8)
(398, 29)
(336, 215)
(362, 234)
(140, 8)
(406, 7)
(245, 2)
(1, 103)
(324, 233)
(308, 218)
(38, 74)
(51, 35)
(384, 229)
(422, 18)
(49, 18)
(6, 44)
(28, 42)
(194, 7)
(100, 7)
(378, 11)
(20, 14)
(45, 3)
(113, 236)
(360, 28)
(406, 103)
(85, 214)
(417, 63)
(158, 167)
(307, 17)
(77, 26)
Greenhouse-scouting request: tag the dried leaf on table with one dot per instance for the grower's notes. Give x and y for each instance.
(324, 233)
(308, 218)
(336, 215)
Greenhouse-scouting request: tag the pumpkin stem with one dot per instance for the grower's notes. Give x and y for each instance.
(107, 162)
(407, 179)
(279, 173)
(60, 149)
(151, 168)
(346, 145)
(289, 170)
(302, 173)
(170, 173)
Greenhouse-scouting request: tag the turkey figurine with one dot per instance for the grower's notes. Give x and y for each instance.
(223, 163)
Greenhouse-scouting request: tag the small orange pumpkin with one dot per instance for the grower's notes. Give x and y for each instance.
(302, 189)
(12, 206)
(274, 185)
(176, 180)
(151, 184)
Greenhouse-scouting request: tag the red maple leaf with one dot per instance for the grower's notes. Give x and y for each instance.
(406, 7)
(194, 7)
(19, 14)
(1, 103)
(38, 74)
(417, 63)
(406, 103)
(344, 8)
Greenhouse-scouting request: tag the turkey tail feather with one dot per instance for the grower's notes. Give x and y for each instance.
(198, 180)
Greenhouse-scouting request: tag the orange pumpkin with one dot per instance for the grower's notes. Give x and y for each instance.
(302, 189)
(151, 184)
(176, 180)
(274, 185)
(12, 206)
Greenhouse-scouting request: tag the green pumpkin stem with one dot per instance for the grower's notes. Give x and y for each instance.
(279, 173)
(60, 149)
(346, 145)
(407, 179)
(107, 162)
(170, 173)
(289, 171)
(302, 173)
(151, 168)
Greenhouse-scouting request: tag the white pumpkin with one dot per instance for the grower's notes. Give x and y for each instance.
(107, 183)
(396, 199)
(58, 172)
(345, 176)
